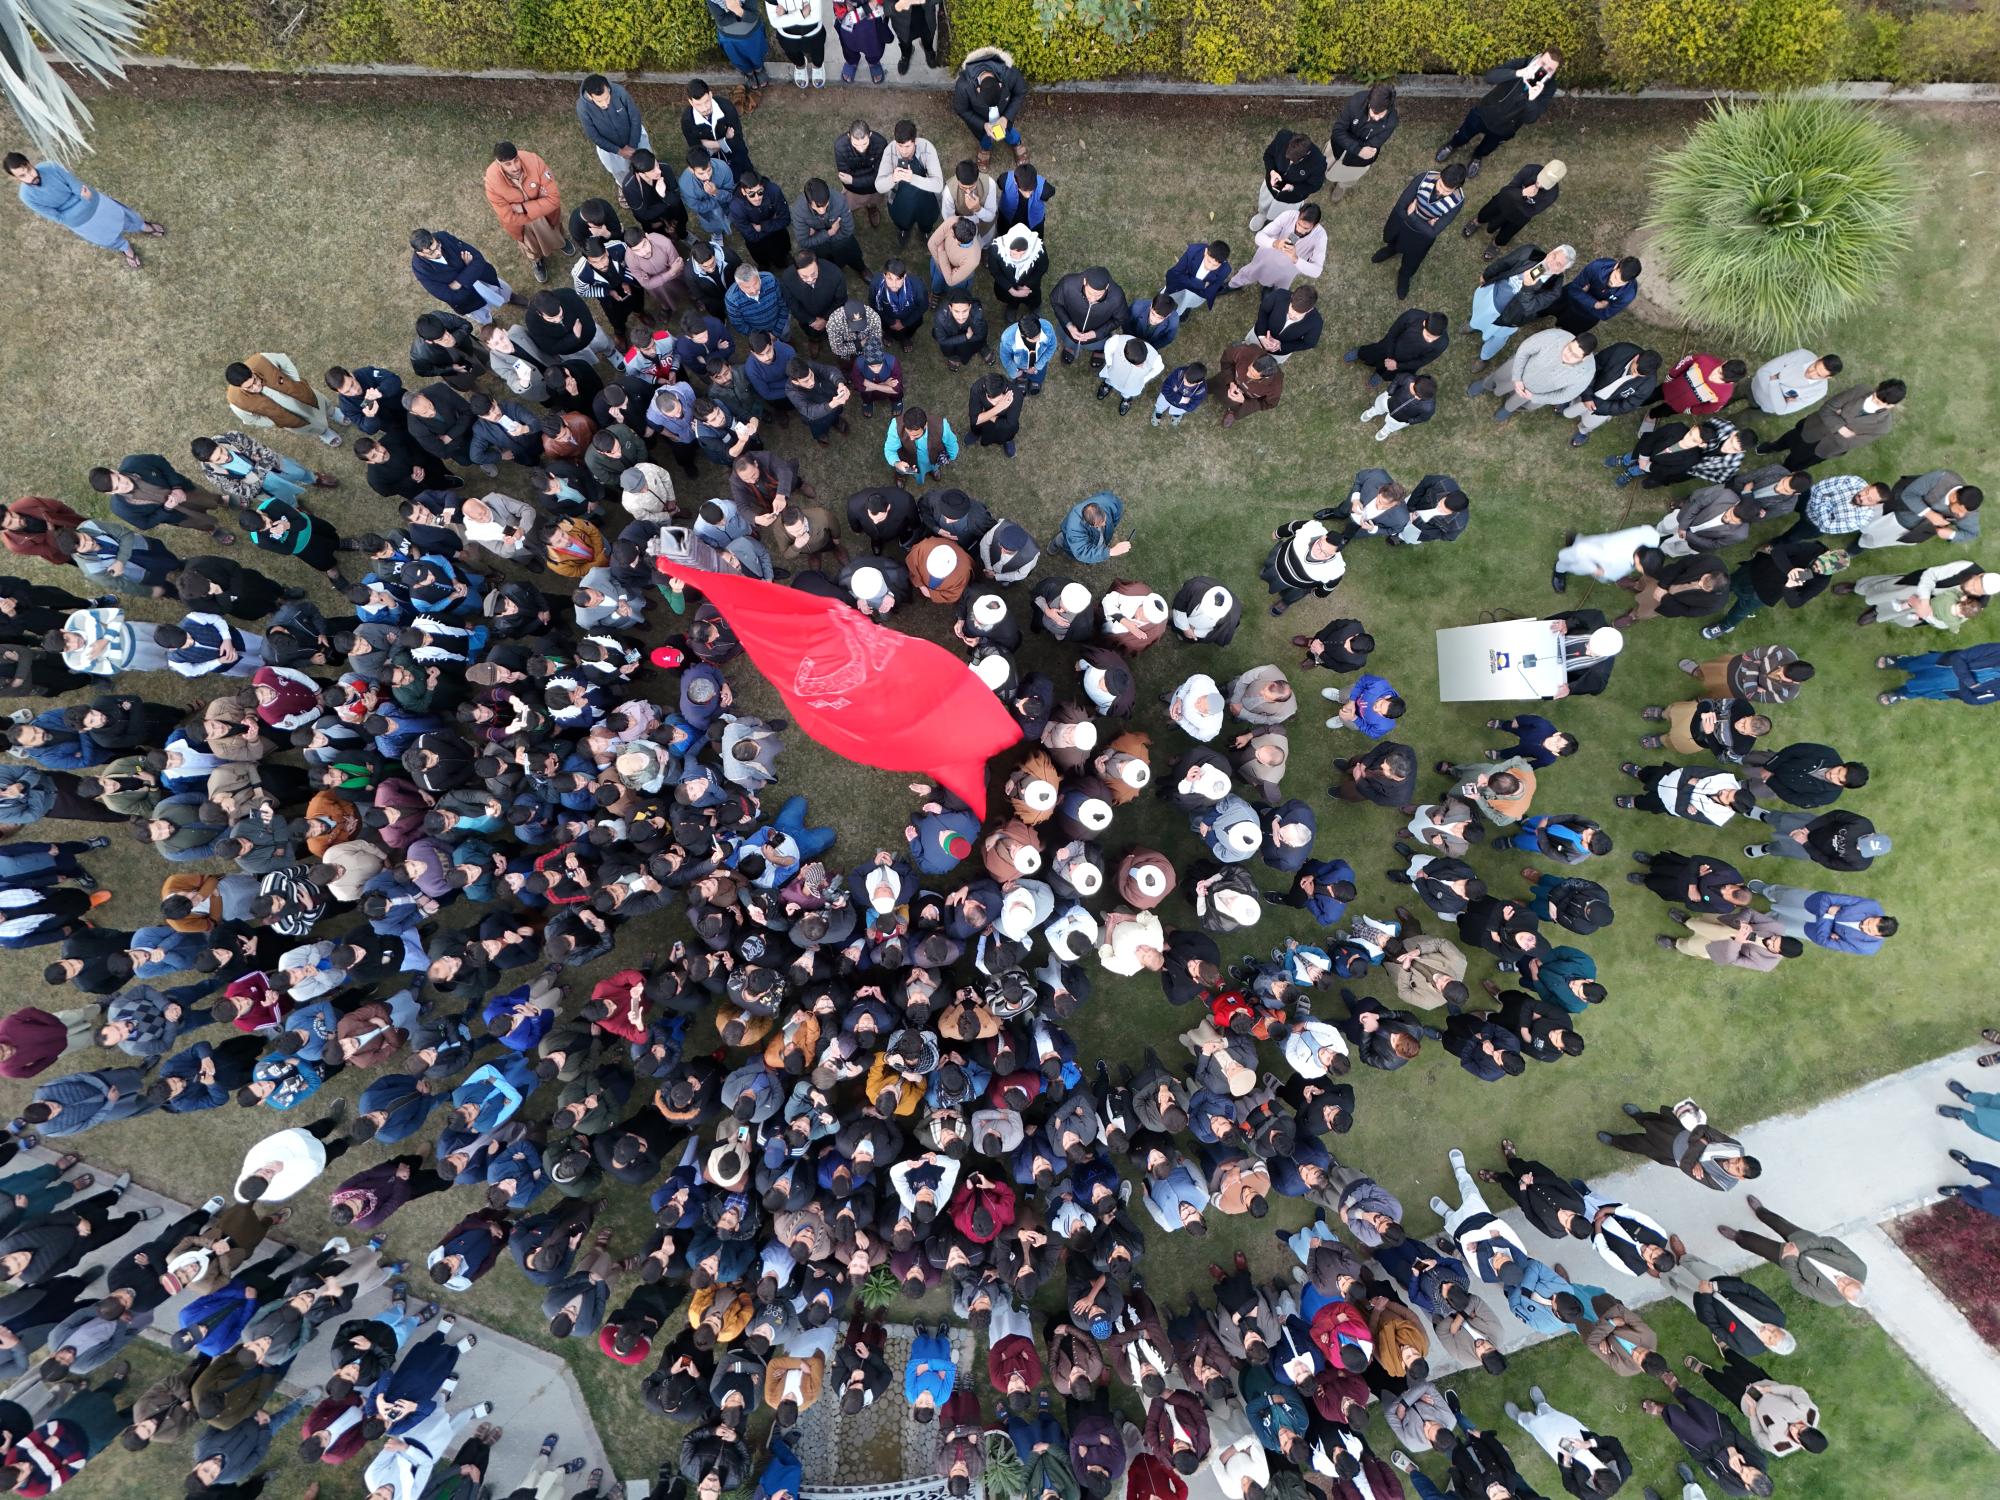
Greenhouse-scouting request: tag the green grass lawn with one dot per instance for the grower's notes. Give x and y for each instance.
(290, 201)
(1884, 1421)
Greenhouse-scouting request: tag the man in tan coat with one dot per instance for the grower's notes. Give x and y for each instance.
(527, 203)
(265, 391)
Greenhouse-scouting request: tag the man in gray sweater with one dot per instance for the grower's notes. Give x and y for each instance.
(610, 120)
(1552, 368)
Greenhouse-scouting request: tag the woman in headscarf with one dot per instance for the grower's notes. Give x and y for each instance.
(1017, 261)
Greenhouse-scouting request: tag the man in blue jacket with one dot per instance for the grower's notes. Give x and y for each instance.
(1599, 292)
(458, 275)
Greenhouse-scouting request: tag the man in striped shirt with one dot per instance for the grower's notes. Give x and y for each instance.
(1426, 207)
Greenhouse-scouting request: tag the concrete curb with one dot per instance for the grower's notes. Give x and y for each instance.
(1422, 85)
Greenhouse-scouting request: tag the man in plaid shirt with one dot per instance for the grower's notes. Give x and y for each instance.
(1839, 504)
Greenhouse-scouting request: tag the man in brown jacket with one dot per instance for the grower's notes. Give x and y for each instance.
(1251, 381)
(265, 391)
(527, 203)
(1621, 1338)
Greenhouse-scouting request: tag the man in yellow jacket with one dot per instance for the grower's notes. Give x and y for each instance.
(265, 391)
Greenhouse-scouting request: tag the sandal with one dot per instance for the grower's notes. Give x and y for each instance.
(69, 1158)
(1990, 1060)
(154, 226)
(132, 261)
(549, 1444)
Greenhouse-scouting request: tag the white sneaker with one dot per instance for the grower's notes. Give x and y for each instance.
(799, 77)
(1333, 694)
(1382, 436)
(214, 1205)
(330, 438)
(1457, 1158)
(1334, 723)
(338, 1245)
(482, 1411)
(819, 78)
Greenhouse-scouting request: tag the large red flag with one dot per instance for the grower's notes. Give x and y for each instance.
(867, 692)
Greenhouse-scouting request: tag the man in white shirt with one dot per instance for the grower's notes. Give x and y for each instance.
(1130, 365)
(1792, 382)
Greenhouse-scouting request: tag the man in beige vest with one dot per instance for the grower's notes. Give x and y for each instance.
(265, 391)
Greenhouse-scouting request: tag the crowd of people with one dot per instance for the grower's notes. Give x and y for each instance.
(403, 824)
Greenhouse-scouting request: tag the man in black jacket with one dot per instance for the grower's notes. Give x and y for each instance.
(561, 324)
(1626, 378)
(440, 421)
(1360, 130)
(1088, 307)
(445, 348)
(1785, 571)
(1287, 322)
(1426, 208)
(1533, 191)
(1294, 169)
(1522, 90)
(1415, 339)
(988, 97)
(1837, 840)
(397, 469)
(814, 290)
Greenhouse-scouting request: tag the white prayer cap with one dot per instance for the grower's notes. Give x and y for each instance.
(993, 669)
(1990, 582)
(1606, 642)
(1027, 858)
(1017, 913)
(1149, 878)
(1074, 598)
(1039, 794)
(1083, 736)
(988, 610)
(1244, 836)
(939, 564)
(1133, 772)
(1151, 608)
(1093, 813)
(868, 583)
(1238, 906)
(1209, 781)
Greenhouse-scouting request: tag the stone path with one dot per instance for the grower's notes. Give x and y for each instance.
(840, 1450)
(1846, 1167)
(532, 1390)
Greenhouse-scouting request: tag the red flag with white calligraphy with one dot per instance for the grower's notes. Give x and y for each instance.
(866, 692)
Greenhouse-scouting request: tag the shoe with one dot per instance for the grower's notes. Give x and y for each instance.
(1007, 448)
(1457, 1159)
(800, 78)
(482, 1411)
(1578, 439)
(1103, 390)
(1401, 1460)
(903, 65)
(101, 842)
(1513, 1412)
(1351, 356)
(99, 897)
(1961, 1158)
(1123, 407)
(1558, 580)
(1687, 1474)
(1472, 168)
(1958, 1090)
(1715, 632)
(1634, 878)
(541, 269)
(1444, 153)
(1603, 1137)
(1628, 803)
(1535, 1395)
(1503, 415)
(121, 1182)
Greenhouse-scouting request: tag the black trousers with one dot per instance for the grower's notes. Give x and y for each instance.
(1735, 1377)
(917, 26)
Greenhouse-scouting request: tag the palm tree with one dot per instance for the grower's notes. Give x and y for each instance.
(92, 35)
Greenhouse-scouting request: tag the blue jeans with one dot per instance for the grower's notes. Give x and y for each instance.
(791, 819)
(1927, 679)
(288, 481)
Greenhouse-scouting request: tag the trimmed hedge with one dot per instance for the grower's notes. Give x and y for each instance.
(1732, 44)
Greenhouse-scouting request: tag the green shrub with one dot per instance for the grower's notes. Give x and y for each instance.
(1870, 45)
(1722, 43)
(1121, 20)
(453, 33)
(347, 31)
(1222, 41)
(1075, 47)
(1367, 40)
(212, 31)
(581, 36)
(1962, 45)
(878, 1289)
(1778, 217)
(680, 35)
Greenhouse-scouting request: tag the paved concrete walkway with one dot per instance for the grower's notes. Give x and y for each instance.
(532, 1390)
(1843, 1167)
